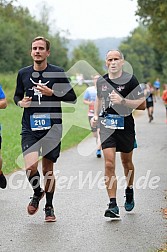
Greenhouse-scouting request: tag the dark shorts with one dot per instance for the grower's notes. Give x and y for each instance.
(149, 104)
(119, 139)
(48, 145)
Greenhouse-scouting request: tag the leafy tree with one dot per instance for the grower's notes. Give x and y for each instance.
(89, 52)
(18, 28)
(153, 15)
(138, 51)
(59, 51)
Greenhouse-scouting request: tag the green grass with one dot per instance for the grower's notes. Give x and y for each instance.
(8, 82)
(11, 128)
(75, 124)
(73, 137)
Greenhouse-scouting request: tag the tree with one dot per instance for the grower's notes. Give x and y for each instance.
(18, 28)
(153, 15)
(138, 51)
(89, 52)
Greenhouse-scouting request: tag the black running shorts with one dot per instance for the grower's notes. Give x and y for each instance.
(149, 104)
(47, 145)
(119, 139)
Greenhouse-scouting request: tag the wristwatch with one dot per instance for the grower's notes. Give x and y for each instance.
(123, 101)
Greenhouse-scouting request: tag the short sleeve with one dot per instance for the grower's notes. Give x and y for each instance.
(86, 95)
(137, 92)
(2, 94)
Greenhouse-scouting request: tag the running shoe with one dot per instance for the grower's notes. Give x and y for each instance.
(3, 182)
(98, 153)
(49, 214)
(34, 203)
(112, 212)
(129, 203)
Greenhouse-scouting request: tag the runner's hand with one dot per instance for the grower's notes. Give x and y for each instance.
(25, 102)
(115, 98)
(44, 90)
(93, 121)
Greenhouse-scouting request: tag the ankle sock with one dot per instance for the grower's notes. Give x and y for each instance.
(129, 189)
(129, 194)
(113, 202)
(49, 199)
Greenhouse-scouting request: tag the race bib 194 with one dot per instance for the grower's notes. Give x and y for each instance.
(113, 121)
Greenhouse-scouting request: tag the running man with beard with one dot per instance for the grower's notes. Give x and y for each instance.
(40, 90)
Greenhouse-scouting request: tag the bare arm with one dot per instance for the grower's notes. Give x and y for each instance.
(3, 103)
(98, 106)
(88, 102)
(142, 106)
(139, 104)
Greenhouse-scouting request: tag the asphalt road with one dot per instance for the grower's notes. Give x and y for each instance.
(81, 199)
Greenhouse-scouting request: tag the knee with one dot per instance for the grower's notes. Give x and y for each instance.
(127, 164)
(47, 172)
(126, 161)
(110, 167)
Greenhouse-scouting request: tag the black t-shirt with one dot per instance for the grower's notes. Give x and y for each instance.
(128, 87)
(55, 78)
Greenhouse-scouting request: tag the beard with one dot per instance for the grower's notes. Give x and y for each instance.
(38, 59)
(38, 62)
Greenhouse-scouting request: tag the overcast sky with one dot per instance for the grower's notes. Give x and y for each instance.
(89, 19)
